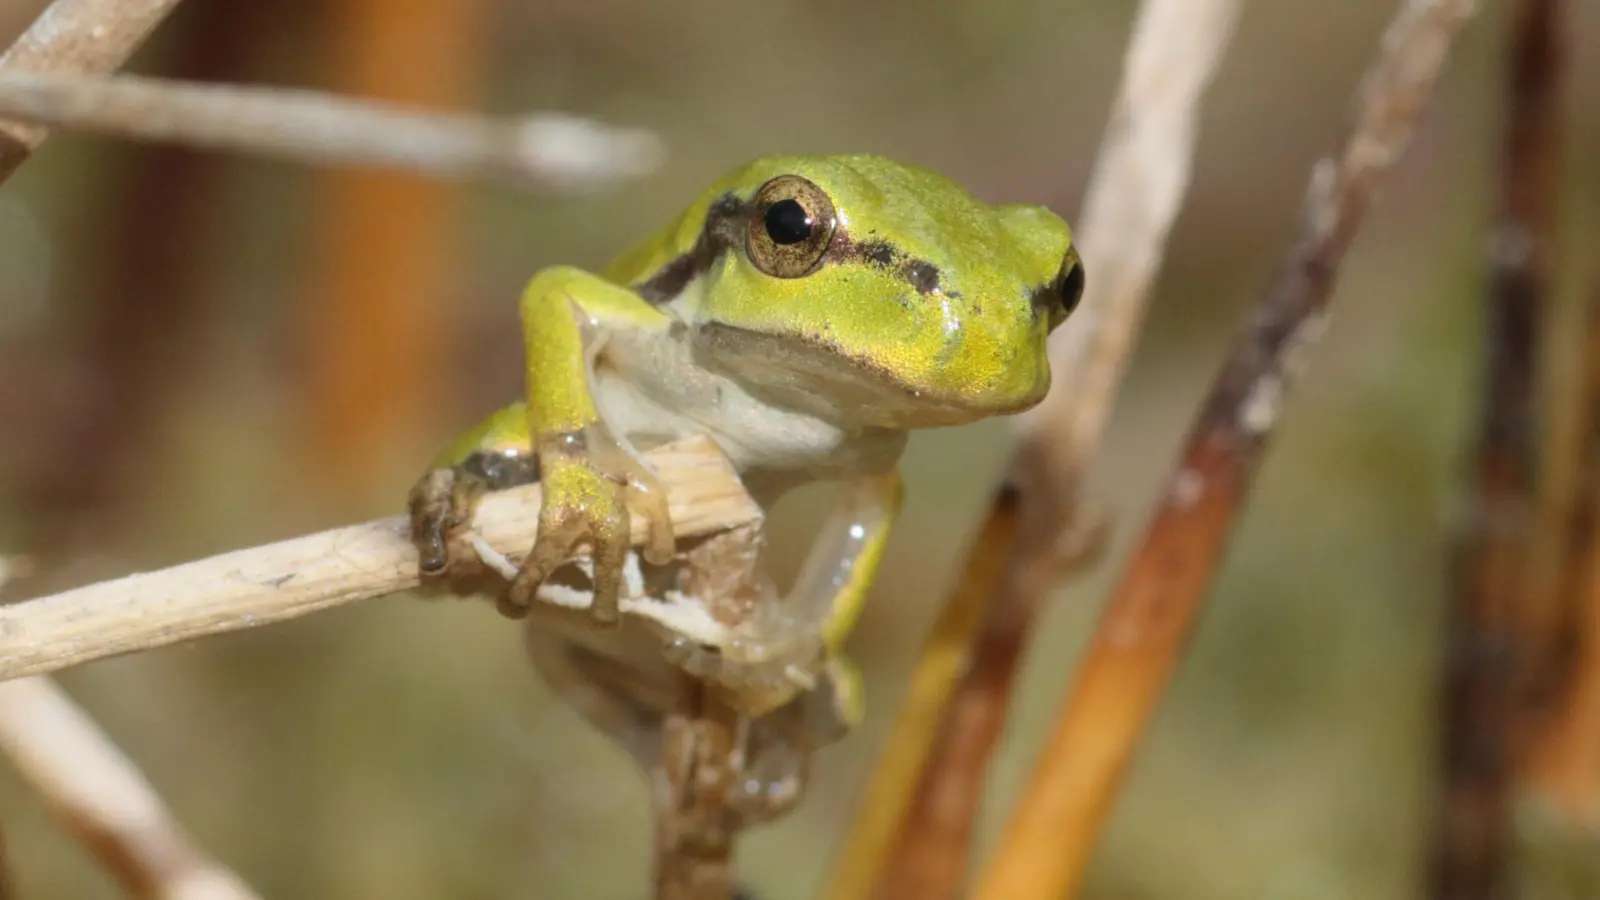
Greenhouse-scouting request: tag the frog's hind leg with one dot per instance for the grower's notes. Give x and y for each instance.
(778, 653)
(596, 691)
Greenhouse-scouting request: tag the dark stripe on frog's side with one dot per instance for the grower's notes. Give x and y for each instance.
(922, 275)
(724, 230)
(500, 470)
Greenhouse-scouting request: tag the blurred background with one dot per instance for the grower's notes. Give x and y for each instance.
(203, 352)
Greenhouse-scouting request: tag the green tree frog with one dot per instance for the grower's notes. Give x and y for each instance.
(805, 312)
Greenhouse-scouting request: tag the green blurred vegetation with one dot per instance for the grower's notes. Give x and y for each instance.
(404, 750)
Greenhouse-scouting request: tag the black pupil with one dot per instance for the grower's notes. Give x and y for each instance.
(788, 222)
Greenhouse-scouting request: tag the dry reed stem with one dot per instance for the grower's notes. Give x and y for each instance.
(1489, 570)
(1145, 626)
(546, 152)
(103, 799)
(927, 785)
(285, 580)
(1551, 620)
(74, 36)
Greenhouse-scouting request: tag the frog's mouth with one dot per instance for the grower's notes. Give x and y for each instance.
(809, 374)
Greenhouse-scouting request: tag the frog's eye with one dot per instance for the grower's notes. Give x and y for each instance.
(1056, 300)
(1071, 284)
(790, 228)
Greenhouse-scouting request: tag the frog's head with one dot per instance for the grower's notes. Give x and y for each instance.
(871, 291)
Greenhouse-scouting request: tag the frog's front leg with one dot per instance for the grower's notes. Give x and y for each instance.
(781, 647)
(559, 438)
(588, 472)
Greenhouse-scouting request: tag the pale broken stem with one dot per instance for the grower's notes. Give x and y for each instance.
(103, 799)
(1137, 187)
(293, 578)
(550, 151)
(1135, 191)
(82, 36)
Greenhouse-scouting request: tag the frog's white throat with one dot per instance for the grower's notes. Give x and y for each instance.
(817, 379)
(653, 391)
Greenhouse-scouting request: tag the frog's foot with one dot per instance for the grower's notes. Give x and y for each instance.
(441, 506)
(585, 502)
(772, 783)
(775, 758)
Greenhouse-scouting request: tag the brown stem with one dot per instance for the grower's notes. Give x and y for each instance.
(1489, 571)
(1146, 624)
(694, 830)
(940, 812)
(1562, 697)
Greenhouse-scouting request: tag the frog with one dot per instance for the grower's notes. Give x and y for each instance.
(807, 313)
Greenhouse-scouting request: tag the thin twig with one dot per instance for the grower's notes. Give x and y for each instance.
(85, 36)
(548, 152)
(1488, 570)
(103, 799)
(1137, 187)
(1145, 626)
(276, 582)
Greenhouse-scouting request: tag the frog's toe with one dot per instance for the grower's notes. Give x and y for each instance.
(601, 520)
(558, 537)
(610, 554)
(650, 498)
